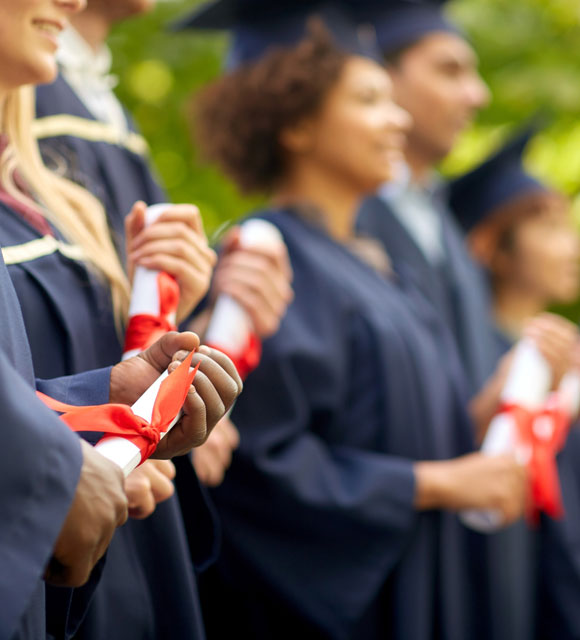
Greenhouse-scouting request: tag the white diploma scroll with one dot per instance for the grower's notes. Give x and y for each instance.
(527, 386)
(230, 327)
(120, 450)
(568, 394)
(145, 292)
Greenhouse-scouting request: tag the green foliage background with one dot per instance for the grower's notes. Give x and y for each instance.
(530, 57)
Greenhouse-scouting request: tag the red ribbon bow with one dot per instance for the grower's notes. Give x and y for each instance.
(145, 329)
(119, 419)
(248, 359)
(543, 434)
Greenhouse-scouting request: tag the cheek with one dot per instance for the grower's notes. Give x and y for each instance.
(542, 259)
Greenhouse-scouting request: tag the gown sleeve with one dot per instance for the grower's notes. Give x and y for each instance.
(40, 461)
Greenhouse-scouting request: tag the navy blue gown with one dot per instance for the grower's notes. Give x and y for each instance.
(321, 539)
(553, 550)
(118, 173)
(457, 290)
(40, 461)
(148, 587)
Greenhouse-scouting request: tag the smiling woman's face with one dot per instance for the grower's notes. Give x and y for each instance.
(29, 31)
(359, 132)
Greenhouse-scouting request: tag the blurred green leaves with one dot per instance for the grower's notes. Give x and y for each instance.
(530, 57)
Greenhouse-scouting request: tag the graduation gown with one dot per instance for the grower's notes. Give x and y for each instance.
(148, 587)
(40, 462)
(320, 537)
(553, 551)
(115, 169)
(457, 290)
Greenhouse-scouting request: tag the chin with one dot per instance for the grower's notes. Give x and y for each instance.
(44, 74)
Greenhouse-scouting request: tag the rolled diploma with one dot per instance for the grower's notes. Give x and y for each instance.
(145, 293)
(120, 450)
(527, 385)
(230, 326)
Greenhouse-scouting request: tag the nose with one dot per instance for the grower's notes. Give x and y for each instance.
(71, 6)
(398, 118)
(476, 92)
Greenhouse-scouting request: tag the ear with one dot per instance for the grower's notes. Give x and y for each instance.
(298, 138)
(501, 263)
(485, 247)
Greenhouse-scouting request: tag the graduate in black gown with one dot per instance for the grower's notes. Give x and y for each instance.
(42, 468)
(434, 73)
(521, 231)
(72, 290)
(338, 509)
(85, 133)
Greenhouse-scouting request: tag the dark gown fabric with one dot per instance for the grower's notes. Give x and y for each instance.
(553, 550)
(148, 587)
(117, 174)
(457, 290)
(321, 539)
(40, 462)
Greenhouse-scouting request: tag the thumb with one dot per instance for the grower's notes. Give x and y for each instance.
(231, 241)
(135, 221)
(160, 354)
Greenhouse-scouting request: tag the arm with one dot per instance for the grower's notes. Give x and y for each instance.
(59, 501)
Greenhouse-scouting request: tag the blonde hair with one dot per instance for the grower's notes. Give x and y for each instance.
(77, 214)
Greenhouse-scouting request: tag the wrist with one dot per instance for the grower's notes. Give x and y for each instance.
(432, 485)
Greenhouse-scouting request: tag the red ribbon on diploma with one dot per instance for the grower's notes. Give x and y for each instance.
(119, 419)
(543, 434)
(144, 329)
(248, 359)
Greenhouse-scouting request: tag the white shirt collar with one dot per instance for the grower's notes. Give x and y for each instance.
(75, 55)
(88, 74)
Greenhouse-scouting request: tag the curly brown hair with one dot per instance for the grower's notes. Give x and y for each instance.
(241, 115)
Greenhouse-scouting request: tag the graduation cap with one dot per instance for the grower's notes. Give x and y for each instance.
(400, 23)
(258, 25)
(499, 180)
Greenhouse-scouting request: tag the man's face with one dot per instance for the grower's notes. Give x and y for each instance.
(437, 82)
(117, 10)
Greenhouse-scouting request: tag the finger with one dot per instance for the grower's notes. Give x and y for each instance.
(275, 295)
(181, 242)
(230, 241)
(162, 488)
(224, 363)
(178, 358)
(255, 276)
(233, 436)
(201, 466)
(185, 272)
(191, 431)
(135, 221)
(264, 315)
(167, 230)
(160, 353)
(276, 255)
(165, 467)
(214, 403)
(188, 214)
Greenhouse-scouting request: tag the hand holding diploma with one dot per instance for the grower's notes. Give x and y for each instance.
(170, 238)
(148, 485)
(133, 434)
(216, 386)
(531, 424)
(98, 508)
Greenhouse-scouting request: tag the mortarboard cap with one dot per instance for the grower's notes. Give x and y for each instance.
(258, 25)
(498, 181)
(400, 23)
